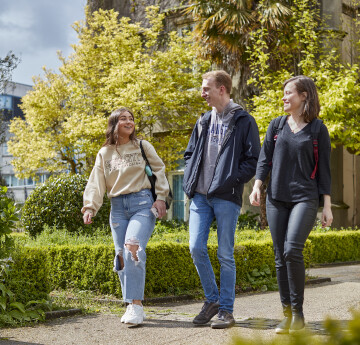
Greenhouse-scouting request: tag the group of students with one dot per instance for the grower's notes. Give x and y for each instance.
(223, 154)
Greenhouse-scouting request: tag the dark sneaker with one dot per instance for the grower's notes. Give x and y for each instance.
(224, 320)
(208, 311)
(297, 322)
(283, 326)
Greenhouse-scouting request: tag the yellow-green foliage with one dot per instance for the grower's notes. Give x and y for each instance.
(169, 264)
(116, 63)
(313, 54)
(29, 277)
(335, 246)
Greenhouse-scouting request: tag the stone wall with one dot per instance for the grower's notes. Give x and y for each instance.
(135, 9)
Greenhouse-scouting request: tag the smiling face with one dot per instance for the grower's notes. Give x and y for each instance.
(213, 95)
(293, 101)
(126, 125)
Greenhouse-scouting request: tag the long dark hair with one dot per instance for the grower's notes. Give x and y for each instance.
(112, 131)
(312, 105)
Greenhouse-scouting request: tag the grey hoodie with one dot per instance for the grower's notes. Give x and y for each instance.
(216, 132)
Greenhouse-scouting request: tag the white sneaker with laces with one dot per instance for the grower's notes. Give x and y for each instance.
(125, 316)
(136, 315)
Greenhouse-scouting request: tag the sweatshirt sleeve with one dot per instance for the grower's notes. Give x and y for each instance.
(324, 175)
(264, 163)
(95, 188)
(158, 169)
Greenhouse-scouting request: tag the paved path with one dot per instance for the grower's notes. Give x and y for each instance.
(256, 314)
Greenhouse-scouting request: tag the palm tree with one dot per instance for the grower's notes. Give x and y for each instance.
(223, 30)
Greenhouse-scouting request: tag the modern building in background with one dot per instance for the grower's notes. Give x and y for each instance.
(9, 108)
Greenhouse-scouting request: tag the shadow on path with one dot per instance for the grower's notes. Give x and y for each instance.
(253, 323)
(263, 324)
(7, 341)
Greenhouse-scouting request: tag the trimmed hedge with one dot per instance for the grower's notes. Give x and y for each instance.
(169, 264)
(29, 277)
(333, 246)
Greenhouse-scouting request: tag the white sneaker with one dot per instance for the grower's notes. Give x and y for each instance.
(136, 314)
(126, 315)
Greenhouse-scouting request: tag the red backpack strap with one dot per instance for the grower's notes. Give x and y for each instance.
(316, 156)
(315, 129)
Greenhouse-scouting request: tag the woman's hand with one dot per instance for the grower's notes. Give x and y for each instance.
(326, 216)
(255, 194)
(160, 207)
(87, 217)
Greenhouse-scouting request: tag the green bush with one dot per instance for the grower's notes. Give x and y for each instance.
(169, 266)
(16, 304)
(333, 246)
(248, 220)
(8, 219)
(169, 227)
(28, 277)
(53, 236)
(58, 202)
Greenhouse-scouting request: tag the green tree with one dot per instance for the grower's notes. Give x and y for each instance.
(315, 55)
(318, 58)
(7, 65)
(115, 63)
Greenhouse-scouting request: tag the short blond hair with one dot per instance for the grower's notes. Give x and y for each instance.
(221, 78)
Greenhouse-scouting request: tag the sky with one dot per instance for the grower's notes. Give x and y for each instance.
(35, 30)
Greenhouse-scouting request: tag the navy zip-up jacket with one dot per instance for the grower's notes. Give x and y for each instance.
(235, 163)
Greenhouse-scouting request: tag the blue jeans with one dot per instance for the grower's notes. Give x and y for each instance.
(132, 223)
(202, 213)
(290, 224)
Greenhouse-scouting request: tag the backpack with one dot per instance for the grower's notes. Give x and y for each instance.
(152, 179)
(315, 129)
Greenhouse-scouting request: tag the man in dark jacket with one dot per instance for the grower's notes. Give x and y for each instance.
(221, 156)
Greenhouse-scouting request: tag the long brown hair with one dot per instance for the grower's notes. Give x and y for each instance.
(112, 131)
(312, 105)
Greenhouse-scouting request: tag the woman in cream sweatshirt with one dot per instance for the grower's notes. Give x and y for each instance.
(120, 172)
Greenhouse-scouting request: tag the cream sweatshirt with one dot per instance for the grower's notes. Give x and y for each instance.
(121, 170)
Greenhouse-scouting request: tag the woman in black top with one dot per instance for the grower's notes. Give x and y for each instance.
(294, 190)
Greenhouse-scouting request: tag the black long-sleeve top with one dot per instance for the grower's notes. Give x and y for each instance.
(291, 161)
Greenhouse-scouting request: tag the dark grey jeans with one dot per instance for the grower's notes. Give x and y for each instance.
(290, 225)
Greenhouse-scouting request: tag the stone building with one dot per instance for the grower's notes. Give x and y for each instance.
(339, 15)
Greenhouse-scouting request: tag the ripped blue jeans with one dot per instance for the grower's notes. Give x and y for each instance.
(132, 223)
